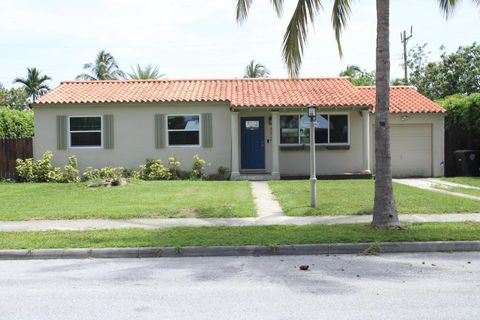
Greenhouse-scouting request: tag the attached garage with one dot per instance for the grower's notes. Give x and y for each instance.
(411, 150)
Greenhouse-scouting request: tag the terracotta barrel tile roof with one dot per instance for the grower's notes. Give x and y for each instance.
(238, 93)
(404, 99)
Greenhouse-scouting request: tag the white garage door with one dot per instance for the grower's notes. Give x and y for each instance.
(411, 148)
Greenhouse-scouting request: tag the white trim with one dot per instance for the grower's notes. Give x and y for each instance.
(69, 132)
(299, 115)
(182, 130)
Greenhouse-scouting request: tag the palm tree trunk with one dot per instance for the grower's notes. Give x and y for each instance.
(384, 210)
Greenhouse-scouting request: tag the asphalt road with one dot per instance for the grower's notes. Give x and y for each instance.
(407, 286)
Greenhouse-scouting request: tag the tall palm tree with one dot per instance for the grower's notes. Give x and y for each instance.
(256, 70)
(34, 84)
(294, 41)
(104, 68)
(148, 72)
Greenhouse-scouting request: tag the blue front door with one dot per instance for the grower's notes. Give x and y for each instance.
(253, 143)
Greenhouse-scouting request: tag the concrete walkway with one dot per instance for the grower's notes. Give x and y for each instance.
(46, 225)
(266, 204)
(430, 184)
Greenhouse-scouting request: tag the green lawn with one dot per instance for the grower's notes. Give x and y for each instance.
(230, 236)
(32, 201)
(338, 197)
(472, 181)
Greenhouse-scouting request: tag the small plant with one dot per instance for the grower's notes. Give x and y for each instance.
(154, 170)
(41, 170)
(224, 172)
(128, 173)
(70, 173)
(174, 168)
(198, 168)
(107, 173)
(373, 250)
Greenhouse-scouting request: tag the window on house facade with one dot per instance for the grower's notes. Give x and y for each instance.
(85, 131)
(329, 129)
(183, 130)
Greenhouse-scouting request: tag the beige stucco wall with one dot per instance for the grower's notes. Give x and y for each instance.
(328, 162)
(134, 135)
(134, 139)
(437, 123)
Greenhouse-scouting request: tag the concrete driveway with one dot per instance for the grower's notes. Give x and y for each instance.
(409, 286)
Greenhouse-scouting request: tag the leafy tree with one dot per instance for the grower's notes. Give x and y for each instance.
(294, 41)
(256, 70)
(14, 98)
(15, 123)
(34, 84)
(463, 111)
(148, 72)
(457, 72)
(358, 76)
(103, 68)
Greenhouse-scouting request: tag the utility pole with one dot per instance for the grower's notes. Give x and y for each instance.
(404, 39)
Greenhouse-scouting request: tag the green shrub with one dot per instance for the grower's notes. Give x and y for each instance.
(108, 172)
(463, 111)
(198, 168)
(174, 168)
(224, 172)
(15, 123)
(70, 173)
(154, 169)
(41, 170)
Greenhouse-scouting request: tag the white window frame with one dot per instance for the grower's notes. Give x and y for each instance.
(85, 131)
(181, 130)
(328, 129)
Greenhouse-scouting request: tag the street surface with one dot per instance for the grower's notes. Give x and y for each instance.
(400, 286)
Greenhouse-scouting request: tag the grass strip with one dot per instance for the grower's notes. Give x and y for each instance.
(230, 236)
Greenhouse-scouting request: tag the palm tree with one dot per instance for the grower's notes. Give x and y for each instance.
(294, 41)
(104, 68)
(149, 72)
(256, 70)
(34, 84)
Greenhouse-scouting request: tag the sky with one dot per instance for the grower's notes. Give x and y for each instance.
(201, 39)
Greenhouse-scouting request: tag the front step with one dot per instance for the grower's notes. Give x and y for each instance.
(255, 177)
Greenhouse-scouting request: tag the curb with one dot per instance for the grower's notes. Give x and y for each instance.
(252, 250)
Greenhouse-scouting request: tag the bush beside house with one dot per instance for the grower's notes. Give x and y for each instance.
(15, 123)
(43, 170)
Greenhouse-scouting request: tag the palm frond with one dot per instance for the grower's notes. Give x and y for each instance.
(256, 70)
(242, 8)
(278, 6)
(447, 6)
(85, 76)
(340, 15)
(295, 37)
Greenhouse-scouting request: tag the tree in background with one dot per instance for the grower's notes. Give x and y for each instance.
(14, 98)
(256, 70)
(15, 123)
(358, 76)
(148, 72)
(103, 68)
(457, 72)
(462, 111)
(34, 84)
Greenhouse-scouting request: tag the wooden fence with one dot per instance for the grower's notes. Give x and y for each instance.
(11, 150)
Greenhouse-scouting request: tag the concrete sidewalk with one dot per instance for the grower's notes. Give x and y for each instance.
(46, 225)
(432, 184)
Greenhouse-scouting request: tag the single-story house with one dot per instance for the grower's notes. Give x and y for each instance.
(246, 125)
